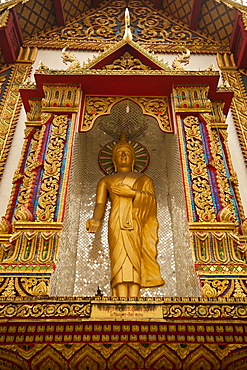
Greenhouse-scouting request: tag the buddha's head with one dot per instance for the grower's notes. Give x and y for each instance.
(123, 155)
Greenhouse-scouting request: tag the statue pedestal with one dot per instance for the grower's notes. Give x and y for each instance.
(115, 308)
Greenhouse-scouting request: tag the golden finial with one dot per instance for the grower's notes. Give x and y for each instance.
(127, 34)
(123, 139)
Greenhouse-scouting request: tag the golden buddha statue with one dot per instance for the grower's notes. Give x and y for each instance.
(133, 225)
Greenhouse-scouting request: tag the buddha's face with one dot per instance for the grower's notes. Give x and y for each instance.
(123, 157)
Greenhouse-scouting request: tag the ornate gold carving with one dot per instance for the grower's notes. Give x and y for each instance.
(32, 243)
(35, 111)
(218, 115)
(63, 350)
(41, 68)
(33, 139)
(68, 57)
(157, 108)
(224, 287)
(96, 106)
(202, 243)
(209, 291)
(30, 172)
(207, 310)
(226, 214)
(153, 72)
(5, 226)
(192, 98)
(31, 166)
(219, 247)
(9, 291)
(183, 58)
(221, 135)
(23, 214)
(127, 61)
(36, 286)
(11, 3)
(23, 286)
(61, 96)
(10, 109)
(27, 55)
(200, 183)
(2, 80)
(173, 308)
(28, 84)
(74, 308)
(50, 181)
(214, 288)
(4, 18)
(240, 290)
(238, 106)
(99, 29)
(90, 64)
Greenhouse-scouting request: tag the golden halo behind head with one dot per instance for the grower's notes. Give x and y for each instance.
(141, 155)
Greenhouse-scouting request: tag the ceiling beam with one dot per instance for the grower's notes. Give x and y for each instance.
(58, 5)
(11, 37)
(238, 42)
(157, 4)
(96, 3)
(195, 14)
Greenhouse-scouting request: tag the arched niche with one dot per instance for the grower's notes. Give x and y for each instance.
(84, 260)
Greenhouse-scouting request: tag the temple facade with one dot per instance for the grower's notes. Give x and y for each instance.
(73, 76)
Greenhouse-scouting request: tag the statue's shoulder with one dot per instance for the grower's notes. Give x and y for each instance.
(144, 176)
(109, 178)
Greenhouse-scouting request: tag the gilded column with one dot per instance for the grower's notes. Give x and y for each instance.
(30, 232)
(212, 196)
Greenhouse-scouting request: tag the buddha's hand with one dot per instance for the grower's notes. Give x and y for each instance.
(93, 225)
(123, 190)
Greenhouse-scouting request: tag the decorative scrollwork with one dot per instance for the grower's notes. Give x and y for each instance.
(219, 163)
(183, 58)
(226, 214)
(5, 226)
(35, 286)
(43, 309)
(10, 109)
(127, 61)
(30, 171)
(52, 167)
(35, 110)
(98, 29)
(24, 286)
(210, 311)
(23, 214)
(156, 107)
(69, 57)
(224, 288)
(199, 176)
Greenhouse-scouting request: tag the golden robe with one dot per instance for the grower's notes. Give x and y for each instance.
(133, 230)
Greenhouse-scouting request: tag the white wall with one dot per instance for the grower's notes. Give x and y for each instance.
(237, 160)
(12, 162)
(53, 60)
(198, 62)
